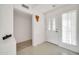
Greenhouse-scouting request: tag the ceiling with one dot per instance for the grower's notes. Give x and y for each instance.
(43, 8)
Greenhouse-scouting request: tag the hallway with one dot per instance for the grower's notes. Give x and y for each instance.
(39, 24)
(45, 49)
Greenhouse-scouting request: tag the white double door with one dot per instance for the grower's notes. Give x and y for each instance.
(65, 34)
(69, 27)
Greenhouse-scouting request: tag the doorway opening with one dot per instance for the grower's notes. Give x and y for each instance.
(22, 29)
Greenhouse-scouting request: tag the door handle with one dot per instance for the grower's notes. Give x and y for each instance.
(57, 30)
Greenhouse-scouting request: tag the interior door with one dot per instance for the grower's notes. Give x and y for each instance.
(7, 46)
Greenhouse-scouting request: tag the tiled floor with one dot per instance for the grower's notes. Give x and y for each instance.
(24, 44)
(45, 49)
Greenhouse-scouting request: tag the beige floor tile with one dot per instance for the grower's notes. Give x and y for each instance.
(45, 49)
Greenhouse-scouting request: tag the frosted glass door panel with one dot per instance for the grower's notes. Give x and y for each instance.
(69, 27)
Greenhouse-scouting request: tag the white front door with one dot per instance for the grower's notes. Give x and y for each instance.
(69, 28)
(69, 39)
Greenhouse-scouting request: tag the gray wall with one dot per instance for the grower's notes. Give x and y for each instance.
(78, 27)
(22, 26)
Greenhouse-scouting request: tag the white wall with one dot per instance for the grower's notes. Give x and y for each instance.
(7, 46)
(38, 29)
(56, 37)
(22, 26)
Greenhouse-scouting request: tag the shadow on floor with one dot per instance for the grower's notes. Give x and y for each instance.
(23, 45)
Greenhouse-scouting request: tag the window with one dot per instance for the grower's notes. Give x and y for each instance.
(54, 24)
(49, 24)
(69, 27)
